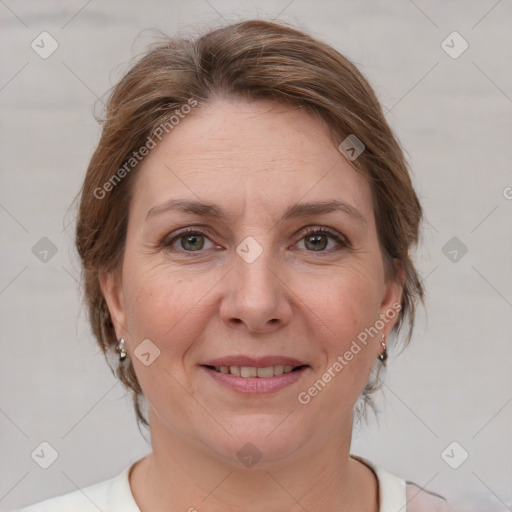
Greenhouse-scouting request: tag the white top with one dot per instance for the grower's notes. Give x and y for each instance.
(115, 495)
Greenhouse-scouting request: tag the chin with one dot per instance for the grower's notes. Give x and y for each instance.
(259, 441)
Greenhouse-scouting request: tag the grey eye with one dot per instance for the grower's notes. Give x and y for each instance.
(192, 242)
(316, 242)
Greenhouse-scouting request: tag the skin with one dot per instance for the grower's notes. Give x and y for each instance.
(253, 159)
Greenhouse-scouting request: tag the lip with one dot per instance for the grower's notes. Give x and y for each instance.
(254, 362)
(255, 385)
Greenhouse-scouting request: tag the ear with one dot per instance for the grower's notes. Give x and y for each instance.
(392, 298)
(112, 289)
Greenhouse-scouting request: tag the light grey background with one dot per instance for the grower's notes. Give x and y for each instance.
(453, 116)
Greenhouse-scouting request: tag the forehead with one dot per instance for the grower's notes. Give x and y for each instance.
(256, 155)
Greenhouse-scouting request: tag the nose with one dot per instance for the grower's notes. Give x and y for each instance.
(257, 296)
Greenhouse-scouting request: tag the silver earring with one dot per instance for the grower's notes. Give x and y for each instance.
(121, 349)
(384, 354)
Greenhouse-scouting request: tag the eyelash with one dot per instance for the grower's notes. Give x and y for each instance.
(340, 239)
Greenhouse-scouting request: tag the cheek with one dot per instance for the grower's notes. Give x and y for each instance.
(161, 309)
(161, 305)
(346, 302)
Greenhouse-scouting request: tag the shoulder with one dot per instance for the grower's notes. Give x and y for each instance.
(395, 493)
(88, 499)
(99, 496)
(421, 500)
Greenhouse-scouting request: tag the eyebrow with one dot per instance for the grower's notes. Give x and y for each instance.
(206, 209)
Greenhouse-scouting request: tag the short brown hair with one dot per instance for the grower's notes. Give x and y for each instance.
(250, 60)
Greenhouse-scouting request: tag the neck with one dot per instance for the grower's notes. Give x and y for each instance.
(185, 477)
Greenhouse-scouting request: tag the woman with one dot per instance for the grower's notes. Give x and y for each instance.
(244, 228)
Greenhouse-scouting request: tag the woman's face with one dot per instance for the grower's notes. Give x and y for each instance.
(265, 278)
